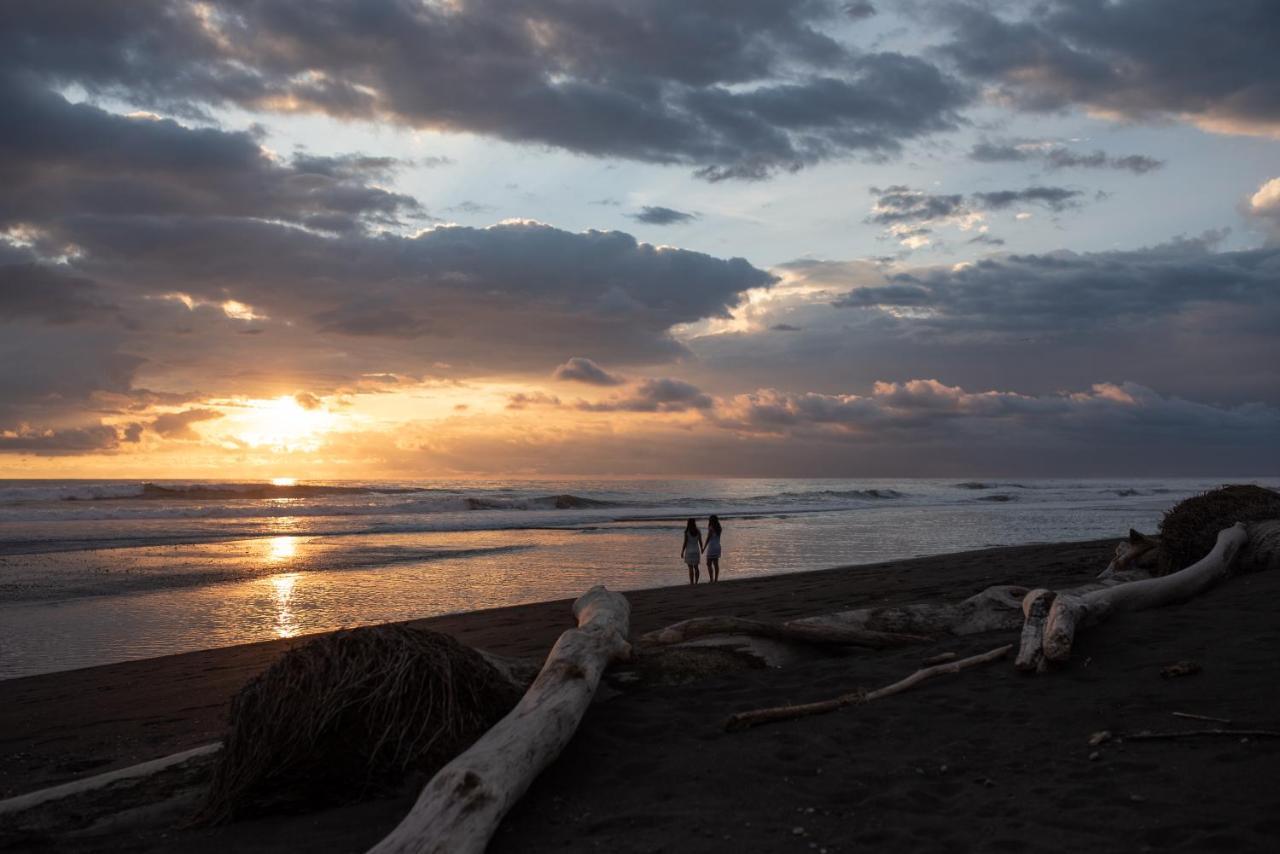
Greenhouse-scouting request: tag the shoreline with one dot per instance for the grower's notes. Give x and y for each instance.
(988, 760)
(150, 707)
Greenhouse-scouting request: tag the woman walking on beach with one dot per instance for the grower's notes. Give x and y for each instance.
(712, 548)
(691, 549)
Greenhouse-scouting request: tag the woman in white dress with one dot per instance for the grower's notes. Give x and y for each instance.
(712, 548)
(691, 549)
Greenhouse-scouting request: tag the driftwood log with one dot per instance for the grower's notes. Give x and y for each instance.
(459, 809)
(998, 608)
(1053, 620)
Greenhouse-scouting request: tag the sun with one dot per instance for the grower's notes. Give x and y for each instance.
(282, 424)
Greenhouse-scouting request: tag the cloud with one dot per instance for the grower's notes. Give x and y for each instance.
(911, 215)
(1054, 157)
(51, 442)
(1183, 317)
(1064, 292)
(736, 95)
(579, 369)
(523, 400)
(1140, 60)
(177, 425)
(662, 216)
(1054, 198)
(1264, 206)
(307, 400)
(60, 158)
(658, 394)
(926, 412)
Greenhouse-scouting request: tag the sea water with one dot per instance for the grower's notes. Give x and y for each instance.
(93, 572)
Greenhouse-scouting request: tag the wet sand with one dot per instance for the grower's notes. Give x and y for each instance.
(986, 760)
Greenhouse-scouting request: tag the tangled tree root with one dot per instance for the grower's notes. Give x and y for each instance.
(1190, 528)
(352, 712)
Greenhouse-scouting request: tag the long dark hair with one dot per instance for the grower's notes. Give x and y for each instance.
(692, 528)
(713, 525)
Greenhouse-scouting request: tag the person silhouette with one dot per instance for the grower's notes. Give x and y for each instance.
(691, 549)
(712, 548)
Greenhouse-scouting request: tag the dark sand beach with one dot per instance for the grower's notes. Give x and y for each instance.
(989, 759)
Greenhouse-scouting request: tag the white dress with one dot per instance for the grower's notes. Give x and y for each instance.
(692, 551)
(713, 544)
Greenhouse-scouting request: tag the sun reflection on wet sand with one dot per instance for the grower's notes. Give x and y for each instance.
(286, 624)
(282, 549)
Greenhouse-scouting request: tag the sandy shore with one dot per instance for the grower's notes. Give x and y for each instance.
(989, 760)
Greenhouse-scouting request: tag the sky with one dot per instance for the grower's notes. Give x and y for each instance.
(449, 238)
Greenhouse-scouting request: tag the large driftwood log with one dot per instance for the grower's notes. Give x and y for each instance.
(459, 809)
(744, 720)
(796, 630)
(998, 608)
(994, 608)
(1050, 634)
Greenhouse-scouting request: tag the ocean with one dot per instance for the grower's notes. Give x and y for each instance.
(93, 572)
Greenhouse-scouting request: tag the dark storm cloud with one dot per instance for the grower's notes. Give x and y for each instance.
(737, 89)
(1213, 63)
(1110, 420)
(59, 158)
(1064, 292)
(657, 215)
(46, 293)
(579, 369)
(49, 442)
(1182, 318)
(508, 296)
(1062, 158)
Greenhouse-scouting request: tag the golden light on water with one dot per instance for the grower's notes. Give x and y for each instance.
(286, 624)
(284, 481)
(282, 549)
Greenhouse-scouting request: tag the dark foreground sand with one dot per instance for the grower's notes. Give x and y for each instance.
(986, 760)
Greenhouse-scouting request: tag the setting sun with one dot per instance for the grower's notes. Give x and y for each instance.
(282, 424)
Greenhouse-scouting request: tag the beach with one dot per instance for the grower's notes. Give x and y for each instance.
(989, 759)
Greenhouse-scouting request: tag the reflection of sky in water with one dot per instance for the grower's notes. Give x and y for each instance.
(217, 594)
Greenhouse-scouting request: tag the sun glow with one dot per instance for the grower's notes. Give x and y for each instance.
(283, 424)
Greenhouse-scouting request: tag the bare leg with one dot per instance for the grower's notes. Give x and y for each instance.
(693, 578)
(713, 568)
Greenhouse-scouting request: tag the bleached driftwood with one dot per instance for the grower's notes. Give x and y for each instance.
(994, 608)
(744, 720)
(1070, 611)
(459, 809)
(795, 630)
(1035, 610)
(1240, 547)
(119, 778)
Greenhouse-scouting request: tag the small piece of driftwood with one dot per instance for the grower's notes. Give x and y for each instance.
(1196, 733)
(745, 720)
(1194, 717)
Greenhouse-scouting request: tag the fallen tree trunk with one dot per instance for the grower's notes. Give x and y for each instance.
(459, 809)
(994, 608)
(745, 720)
(796, 630)
(998, 608)
(1249, 547)
(1071, 612)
